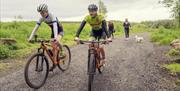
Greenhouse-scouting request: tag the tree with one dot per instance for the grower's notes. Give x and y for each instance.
(174, 6)
(102, 8)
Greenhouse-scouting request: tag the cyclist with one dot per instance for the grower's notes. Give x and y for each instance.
(56, 28)
(99, 27)
(111, 28)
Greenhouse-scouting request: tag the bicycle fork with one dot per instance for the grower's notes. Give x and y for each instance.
(91, 68)
(39, 62)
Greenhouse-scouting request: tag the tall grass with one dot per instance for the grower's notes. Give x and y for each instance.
(165, 36)
(20, 31)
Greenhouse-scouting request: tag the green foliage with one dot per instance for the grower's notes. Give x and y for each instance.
(174, 52)
(168, 24)
(174, 5)
(20, 31)
(4, 51)
(174, 68)
(165, 36)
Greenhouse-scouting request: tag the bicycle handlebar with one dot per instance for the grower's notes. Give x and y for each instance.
(93, 41)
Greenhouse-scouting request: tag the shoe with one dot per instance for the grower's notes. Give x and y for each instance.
(52, 68)
(102, 63)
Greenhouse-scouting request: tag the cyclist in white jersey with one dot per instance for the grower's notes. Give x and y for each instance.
(56, 28)
(52, 21)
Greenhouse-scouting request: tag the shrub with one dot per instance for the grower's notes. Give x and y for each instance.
(4, 52)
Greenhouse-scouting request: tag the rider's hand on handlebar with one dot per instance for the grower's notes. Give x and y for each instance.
(77, 39)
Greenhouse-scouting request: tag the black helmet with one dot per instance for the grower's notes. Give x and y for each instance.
(92, 7)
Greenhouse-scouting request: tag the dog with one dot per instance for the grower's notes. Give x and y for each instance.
(175, 44)
(139, 39)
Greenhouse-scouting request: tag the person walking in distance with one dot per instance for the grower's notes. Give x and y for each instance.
(126, 26)
(111, 29)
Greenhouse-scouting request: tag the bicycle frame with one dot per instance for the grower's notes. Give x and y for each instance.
(44, 48)
(94, 49)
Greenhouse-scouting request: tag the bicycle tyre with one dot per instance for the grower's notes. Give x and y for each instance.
(92, 68)
(29, 83)
(68, 52)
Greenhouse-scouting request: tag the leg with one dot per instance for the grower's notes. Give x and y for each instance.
(54, 57)
(128, 33)
(102, 54)
(55, 52)
(125, 33)
(113, 35)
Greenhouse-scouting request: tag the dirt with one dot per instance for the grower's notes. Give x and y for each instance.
(130, 66)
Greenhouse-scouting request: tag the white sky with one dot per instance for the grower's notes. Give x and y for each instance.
(135, 10)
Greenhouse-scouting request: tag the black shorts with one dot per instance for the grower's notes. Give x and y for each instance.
(98, 34)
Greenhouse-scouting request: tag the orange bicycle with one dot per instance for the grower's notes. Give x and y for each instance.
(94, 59)
(37, 68)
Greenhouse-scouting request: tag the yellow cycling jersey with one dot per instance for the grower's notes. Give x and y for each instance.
(95, 22)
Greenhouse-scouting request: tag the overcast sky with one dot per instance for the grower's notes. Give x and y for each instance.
(135, 10)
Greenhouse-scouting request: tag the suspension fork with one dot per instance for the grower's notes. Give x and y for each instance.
(37, 62)
(90, 52)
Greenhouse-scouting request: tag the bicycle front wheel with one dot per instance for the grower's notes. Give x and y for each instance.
(91, 71)
(36, 71)
(65, 58)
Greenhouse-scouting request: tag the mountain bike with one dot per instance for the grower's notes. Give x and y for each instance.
(94, 58)
(37, 67)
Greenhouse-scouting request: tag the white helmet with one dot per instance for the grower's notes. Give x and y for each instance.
(42, 7)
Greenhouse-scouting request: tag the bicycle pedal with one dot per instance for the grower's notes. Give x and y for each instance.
(52, 68)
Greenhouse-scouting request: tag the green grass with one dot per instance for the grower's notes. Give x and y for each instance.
(173, 52)
(165, 36)
(174, 67)
(20, 31)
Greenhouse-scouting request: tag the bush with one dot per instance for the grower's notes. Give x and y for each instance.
(174, 68)
(165, 36)
(168, 24)
(4, 52)
(174, 52)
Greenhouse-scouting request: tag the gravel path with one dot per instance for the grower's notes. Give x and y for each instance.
(130, 66)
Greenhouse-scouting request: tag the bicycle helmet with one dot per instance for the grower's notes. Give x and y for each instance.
(92, 7)
(42, 7)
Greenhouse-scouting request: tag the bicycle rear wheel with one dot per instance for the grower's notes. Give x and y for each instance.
(36, 71)
(65, 60)
(91, 71)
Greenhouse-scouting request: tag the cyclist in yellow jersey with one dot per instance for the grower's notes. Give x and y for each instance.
(99, 27)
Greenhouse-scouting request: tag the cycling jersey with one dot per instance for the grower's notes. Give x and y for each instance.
(95, 22)
(52, 22)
